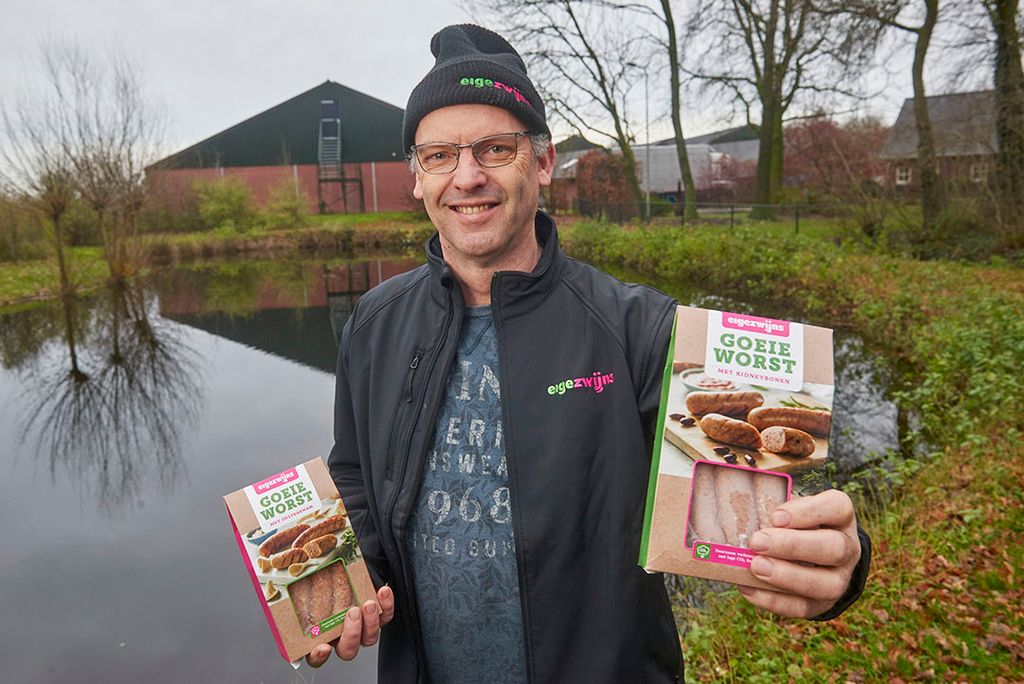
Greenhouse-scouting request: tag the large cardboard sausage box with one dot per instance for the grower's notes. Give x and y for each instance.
(745, 402)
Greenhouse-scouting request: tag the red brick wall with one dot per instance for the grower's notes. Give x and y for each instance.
(394, 184)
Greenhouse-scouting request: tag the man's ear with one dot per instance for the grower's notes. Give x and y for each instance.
(417, 189)
(546, 166)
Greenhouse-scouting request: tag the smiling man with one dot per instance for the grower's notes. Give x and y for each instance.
(500, 517)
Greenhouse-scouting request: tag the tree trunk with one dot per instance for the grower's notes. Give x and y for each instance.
(764, 196)
(58, 250)
(629, 163)
(1009, 82)
(932, 197)
(778, 153)
(690, 197)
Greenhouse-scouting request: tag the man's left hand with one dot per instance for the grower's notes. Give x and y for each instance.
(808, 556)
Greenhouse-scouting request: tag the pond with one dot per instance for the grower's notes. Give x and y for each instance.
(124, 418)
(126, 415)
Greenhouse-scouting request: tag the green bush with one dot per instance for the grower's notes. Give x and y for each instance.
(225, 203)
(962, 231)
(21, 236)
(81, 226)
(285, 208)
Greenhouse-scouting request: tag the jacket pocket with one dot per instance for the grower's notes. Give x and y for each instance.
(402, 424)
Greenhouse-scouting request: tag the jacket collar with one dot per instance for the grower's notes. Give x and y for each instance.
(512, 292)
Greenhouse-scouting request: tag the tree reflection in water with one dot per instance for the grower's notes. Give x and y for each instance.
(111, 411)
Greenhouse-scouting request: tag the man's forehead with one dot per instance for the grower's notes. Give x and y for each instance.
(466, 123)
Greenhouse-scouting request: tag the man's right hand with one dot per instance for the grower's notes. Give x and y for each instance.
(362, 628)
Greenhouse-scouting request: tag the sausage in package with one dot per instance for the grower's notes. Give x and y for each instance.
(301, 554)
(745, 402)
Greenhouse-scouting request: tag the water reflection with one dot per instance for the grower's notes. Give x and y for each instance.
(99, 411)
(295, 310)
(109, 411)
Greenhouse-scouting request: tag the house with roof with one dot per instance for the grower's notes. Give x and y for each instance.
(563, 192)
(339, 150)
(965, 139)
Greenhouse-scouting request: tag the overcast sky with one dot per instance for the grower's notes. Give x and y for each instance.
(212, 64)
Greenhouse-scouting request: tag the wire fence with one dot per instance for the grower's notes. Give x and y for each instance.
(720, 213)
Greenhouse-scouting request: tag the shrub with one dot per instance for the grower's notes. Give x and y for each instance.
(21, 236)
(285, 208)
(225, 203)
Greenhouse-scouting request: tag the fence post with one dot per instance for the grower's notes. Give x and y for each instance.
(798, 219)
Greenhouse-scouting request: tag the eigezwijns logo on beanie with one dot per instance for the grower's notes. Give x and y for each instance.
(480, 82)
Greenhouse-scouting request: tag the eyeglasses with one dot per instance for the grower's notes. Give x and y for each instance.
(492, 151)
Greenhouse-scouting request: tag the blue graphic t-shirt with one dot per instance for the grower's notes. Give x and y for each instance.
(460, 536)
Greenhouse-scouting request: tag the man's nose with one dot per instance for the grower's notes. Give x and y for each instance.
(468, 174)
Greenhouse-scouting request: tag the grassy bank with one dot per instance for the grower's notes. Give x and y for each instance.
(363, 234)
(944, 599)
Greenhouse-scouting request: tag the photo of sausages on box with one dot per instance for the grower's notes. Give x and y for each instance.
(301, 554)
(725, 403)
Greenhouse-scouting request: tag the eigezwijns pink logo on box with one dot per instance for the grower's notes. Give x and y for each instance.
(275, 481)
(769, 326)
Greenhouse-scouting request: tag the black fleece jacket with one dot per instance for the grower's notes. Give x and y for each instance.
(578, 460)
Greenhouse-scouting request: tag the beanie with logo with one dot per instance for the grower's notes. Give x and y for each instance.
(474, 66)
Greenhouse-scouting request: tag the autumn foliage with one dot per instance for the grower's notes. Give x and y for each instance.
(602, 186)
(827, 161)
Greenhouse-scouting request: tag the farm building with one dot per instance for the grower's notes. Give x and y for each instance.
(965, 139)
(563, 193)
(338, 149)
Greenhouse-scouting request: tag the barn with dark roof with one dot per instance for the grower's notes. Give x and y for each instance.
(337, 149)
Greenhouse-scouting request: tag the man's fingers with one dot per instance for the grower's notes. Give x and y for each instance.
(819, 546)
(386, 597)
(362, 627)
(820, 584)
(319, 655)
(351, 634)
(831, 508)
(786, 605)
(371, 624)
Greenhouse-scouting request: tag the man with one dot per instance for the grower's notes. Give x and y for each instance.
(504, 519)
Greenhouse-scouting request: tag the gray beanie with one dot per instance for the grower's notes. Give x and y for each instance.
(474, 66)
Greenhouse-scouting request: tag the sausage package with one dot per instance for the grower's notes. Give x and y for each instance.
(745, 402)
(301, 554)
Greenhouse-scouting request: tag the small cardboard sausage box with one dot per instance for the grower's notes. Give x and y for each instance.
(301, 554)
(745, 401)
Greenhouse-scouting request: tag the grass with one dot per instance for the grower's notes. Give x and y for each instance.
(26, 281)
(362, 234)
(944, 598)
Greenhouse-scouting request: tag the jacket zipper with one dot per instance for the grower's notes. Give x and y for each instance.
(414, 363)
(507, 436)
(404, 451)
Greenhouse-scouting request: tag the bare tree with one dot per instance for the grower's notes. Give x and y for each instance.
(111, 134)
(36, 170)
(581, 56)
(672, 49)
(767, 53)
(1009, 82)
(918, 19)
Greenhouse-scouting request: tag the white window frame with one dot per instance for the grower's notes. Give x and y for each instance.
(979, 171)
(902, 175)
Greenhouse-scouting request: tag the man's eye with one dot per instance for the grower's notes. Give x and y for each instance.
(499, 149)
